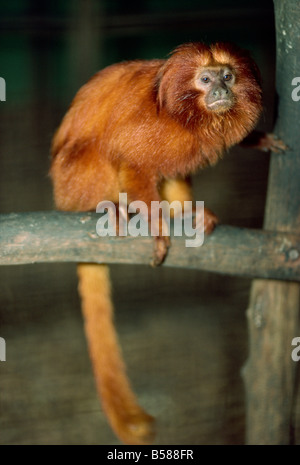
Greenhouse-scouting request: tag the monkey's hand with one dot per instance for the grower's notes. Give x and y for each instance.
(270, 141)
(161, 241)
(265, 142)
(161, 246)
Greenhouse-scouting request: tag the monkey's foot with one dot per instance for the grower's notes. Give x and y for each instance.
(210, 220)
(161, 246)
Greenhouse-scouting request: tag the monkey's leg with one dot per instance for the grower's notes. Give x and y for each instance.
(180, 189)
(129, 421)
(141, 185)
(176, 189)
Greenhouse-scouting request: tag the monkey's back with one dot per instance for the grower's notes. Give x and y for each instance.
(91, 144)
(113, 124)
(107, 99)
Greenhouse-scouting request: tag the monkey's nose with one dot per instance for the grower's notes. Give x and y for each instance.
(220, 93)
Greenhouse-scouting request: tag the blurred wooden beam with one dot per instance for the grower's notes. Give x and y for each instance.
(71, 237)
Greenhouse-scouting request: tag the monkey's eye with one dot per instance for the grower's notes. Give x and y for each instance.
(205, 79)
(227, 77)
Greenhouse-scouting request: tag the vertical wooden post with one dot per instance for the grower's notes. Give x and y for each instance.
(269, 374)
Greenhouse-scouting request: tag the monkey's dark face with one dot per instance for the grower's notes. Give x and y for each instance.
(215, 84)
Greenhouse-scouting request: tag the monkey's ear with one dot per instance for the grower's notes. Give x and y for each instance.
(176, 73)
(162, 83)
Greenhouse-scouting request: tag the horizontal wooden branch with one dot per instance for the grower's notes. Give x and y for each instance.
(71, 237)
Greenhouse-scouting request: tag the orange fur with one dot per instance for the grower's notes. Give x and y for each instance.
(130, 128)
(147, 117)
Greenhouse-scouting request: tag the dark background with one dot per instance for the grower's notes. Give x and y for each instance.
(184, 333)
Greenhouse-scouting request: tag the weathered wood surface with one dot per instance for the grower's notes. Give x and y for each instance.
(274, 306)
(72, 237)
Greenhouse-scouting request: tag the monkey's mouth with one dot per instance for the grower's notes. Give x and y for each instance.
(220, 105)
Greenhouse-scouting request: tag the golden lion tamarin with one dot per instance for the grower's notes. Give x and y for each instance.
(141, 127)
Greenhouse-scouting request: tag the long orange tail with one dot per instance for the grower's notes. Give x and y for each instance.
(129, 421)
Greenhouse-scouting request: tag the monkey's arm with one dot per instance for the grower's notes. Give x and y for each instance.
(264, 141)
